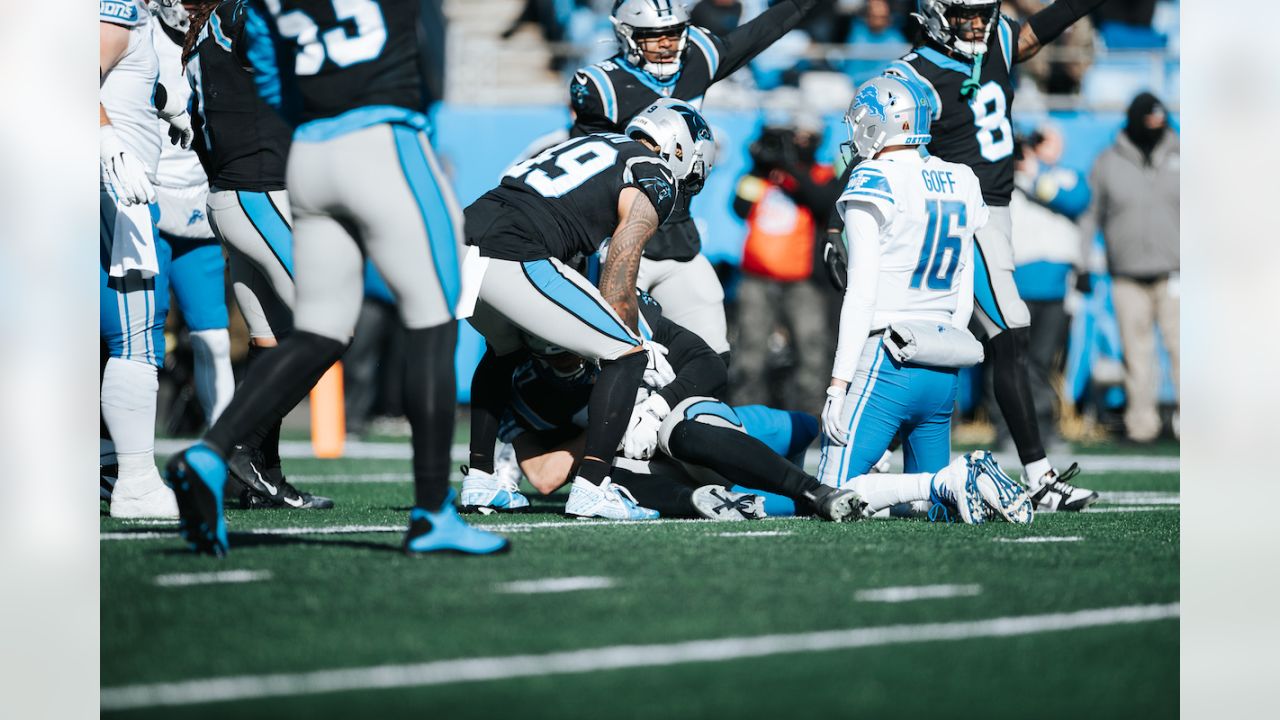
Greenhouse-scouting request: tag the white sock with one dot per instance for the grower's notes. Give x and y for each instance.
(882, 490)
(1036, 470)
(214, 380)
(129, 409)
(138, 466)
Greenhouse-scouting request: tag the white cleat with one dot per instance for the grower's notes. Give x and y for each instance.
(488, 493)
(145, 496)
(1004, 497)
(715, 502)
(955, 489)
(609, 501)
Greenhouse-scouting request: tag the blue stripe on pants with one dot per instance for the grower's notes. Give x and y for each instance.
(436, 217)
(270, 225)
(565, 293)
(198, 278)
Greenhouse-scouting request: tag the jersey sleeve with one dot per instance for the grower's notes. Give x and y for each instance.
(1007, 37)
(654, 179)
(727, 55)
(594, 102)
(126, 13)
(256, 52)
(978, 210)
(869, 185)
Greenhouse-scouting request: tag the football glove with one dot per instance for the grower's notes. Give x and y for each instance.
(658, 373)
(122, 171)
(180, 131)
(831, 415)
(836, 260)
(641, 439)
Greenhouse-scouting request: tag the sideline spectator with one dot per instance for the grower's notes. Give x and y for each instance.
(782, 283)
(1135, 205)
(874, 27)
(1046, 248)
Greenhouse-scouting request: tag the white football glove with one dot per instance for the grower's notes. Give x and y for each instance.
(641, 439)
(122, 171)
(831, 415)
(658, 373)
(180, 131)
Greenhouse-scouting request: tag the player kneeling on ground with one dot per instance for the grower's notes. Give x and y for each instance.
(547, 210)
(684, 449)
(910, 220)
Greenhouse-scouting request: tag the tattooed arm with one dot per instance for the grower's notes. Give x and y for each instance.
(637, 220)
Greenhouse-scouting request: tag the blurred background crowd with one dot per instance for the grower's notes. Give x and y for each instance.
(1095, 211)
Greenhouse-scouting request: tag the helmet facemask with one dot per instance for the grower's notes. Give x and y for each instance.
(634, 39)
(946, 20)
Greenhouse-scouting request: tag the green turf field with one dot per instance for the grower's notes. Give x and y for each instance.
(330, 621)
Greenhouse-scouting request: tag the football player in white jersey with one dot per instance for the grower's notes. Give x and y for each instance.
(133, 292)
(910, 220)
(196, 269)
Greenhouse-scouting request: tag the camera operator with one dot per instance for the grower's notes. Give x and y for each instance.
(780, 197)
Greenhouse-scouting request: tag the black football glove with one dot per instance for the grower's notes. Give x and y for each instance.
(836, 260)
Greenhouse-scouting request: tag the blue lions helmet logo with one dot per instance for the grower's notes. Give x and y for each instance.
(870, 99)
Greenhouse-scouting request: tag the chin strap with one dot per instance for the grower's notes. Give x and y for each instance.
(970, 86)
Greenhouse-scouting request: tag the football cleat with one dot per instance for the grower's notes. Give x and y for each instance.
(836, 504)
(197, 476)
(256, 486)
(491, 492)
(1055, 493)
(1004, 497)
(610, 501)
(141, 497)
(444, 531)
(715, 502)
(955, 494)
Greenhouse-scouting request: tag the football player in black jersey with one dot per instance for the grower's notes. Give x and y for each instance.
(681, 444)
(526, 235)
(363, 180)
(662, 55)
(242, 143)
(966, 62)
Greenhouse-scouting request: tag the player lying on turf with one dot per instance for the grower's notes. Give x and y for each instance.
(549, 209)
(910, 220)
(691, 447)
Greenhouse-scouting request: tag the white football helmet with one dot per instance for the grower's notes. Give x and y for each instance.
(942, 20)
(171, 13)
(684, 140)
(638, 19)
(888, 110)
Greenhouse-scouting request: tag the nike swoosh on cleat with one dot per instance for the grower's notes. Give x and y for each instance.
(270, 488)
(295, 502)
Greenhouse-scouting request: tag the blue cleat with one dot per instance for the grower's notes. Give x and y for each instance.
(197, 476)
(1001, 493)
(444, 531)
(955, 494)
(608, 500)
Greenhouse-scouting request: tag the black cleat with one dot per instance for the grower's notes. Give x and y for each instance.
(256, 486)
(835, 504)
(1057, 494)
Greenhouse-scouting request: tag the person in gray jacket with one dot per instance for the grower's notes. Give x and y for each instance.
(1135, 205)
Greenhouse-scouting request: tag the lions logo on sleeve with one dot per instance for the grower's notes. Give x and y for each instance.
(868, 184)
(128, 13)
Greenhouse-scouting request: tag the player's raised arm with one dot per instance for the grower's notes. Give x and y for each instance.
(739, 47)
(1045, 26)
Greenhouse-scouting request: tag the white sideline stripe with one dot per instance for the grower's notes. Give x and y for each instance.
(918, 592)
(1130, 508)
(401, 450)
(555, 585)
(755, 533)
(447, 672)
(226, 576)
(352, 478)
(1042, 539)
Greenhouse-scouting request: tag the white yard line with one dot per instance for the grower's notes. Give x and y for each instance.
(1121, 497)
(1130, 508)
(756, 533)
(360, 529)
(1041, 539)
(212, 578)
(917, 592)
(449, 672)
(555, 585)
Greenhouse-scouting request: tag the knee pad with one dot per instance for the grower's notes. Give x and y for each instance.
(704, 410)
